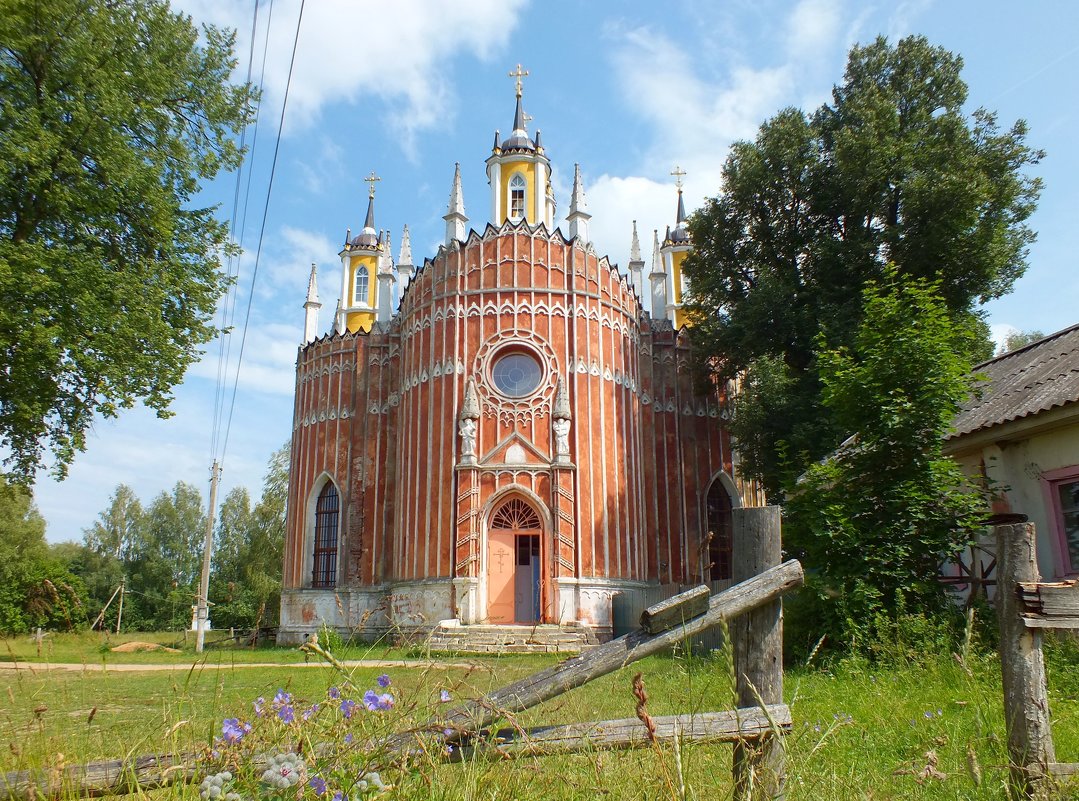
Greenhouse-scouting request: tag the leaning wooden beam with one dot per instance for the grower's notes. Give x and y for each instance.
(675, 611)
(607, 658)
(113, 777)
(608, 735)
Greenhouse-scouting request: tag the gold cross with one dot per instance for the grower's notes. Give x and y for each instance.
(678, 172)
(518, 74)
(371, 180)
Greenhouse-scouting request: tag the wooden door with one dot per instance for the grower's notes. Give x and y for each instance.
(514, 573)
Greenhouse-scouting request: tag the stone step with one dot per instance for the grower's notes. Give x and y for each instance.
(487, 638)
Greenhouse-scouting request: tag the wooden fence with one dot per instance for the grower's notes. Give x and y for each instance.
(752, 608)
(1027, 606)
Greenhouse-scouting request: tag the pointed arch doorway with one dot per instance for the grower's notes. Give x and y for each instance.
(514, 572)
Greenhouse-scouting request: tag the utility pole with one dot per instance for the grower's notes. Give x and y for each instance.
(202, 611)
(120, 611)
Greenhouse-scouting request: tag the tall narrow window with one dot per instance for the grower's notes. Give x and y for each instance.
(517, 197)
(359, 292)
(324, 570)
(719, 529)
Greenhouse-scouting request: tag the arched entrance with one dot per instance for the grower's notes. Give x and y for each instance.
(513, 563)
(719, 507)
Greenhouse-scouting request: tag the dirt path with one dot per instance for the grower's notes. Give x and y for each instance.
(35, 667)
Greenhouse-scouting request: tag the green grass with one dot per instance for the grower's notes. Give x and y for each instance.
(861, 731)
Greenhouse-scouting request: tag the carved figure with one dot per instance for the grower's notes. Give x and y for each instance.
(561, 437)
(467, 430)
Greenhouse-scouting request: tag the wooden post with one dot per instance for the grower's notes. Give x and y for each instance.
(757, 640)
(120, 611)
(1022, 665)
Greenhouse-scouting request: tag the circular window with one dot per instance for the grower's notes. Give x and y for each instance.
(516, 374)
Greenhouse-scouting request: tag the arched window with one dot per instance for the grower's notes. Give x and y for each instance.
(719, 530)
(517, 197)
(327, 514)
(516, 514)
(359, 291)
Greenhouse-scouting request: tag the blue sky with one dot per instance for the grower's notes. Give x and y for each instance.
(626, 90)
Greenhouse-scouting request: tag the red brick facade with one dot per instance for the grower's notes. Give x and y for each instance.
(383, 416)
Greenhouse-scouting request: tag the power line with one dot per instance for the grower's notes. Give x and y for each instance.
(262, 231)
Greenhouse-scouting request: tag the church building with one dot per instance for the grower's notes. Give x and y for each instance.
(508, 433)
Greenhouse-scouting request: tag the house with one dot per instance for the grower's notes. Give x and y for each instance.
(1021, 434)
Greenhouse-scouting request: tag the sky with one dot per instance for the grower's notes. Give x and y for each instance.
(626, 90)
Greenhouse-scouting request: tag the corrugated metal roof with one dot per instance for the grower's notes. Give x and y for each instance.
(1033, 379)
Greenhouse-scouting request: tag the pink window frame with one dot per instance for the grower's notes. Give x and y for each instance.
(1050, 480)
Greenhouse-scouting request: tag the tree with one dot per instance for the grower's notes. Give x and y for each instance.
(35, 589)
(115, 531)
(874, 520)
(246, 583)
(1020, 339)
(113, 115)
(892, 171)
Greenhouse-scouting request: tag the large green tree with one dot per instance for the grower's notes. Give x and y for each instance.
(892, 171)
(874, 520)
(112, 114)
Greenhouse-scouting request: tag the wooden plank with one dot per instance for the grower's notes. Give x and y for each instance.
(1039, 622)
(606, 735)
(1022, 664)
(1063, 769)
(1050, 604)
(113, 777)
(676, 610)
(757, 640)
(601, 660)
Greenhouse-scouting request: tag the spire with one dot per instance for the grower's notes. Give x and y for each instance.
(539, 145)
(470, 408)
(455, 217)
(561, 402)
(339, 319)
(311, 308)
(657, 258)
(498, 142)
(578, 208)
(404, 258)
(518, 117)
(636, 263)
(658, 279)
(681, 219)
(387, 281)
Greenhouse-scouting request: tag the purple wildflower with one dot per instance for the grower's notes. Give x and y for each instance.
(383, 681)
(281, 699)
(385, 701)
(286, 713)
(233, 730)
(444, 697)
(370, 700)
(318, 784)
(333, 693)
(347, 706)
(307, 713)
(338, 796)
(348, 738)
(260, 704)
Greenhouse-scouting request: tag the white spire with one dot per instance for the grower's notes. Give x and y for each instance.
(455, 217)
(404, 259)
(578, 216)
(386, 282)
(658, 279)
(636, 263)
(339, 319)
(310, 309)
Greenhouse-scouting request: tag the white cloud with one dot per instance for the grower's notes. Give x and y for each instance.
(355, 51)
(812, 29)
